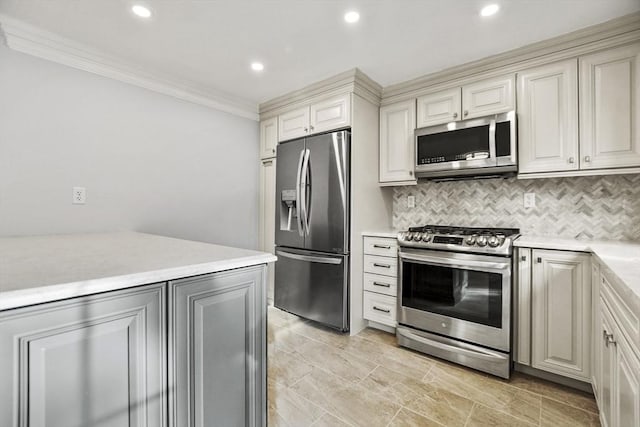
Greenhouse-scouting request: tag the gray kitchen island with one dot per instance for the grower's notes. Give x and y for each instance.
(131, 329)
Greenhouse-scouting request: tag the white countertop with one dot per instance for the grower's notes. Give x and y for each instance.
(621, 259)
(45, 268)
(389, 233)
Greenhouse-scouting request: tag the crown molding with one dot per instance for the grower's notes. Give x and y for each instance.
(31, 40)
(625, 29)
(353, 80)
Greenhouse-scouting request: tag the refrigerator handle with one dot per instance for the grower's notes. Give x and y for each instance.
(306, 192)
(310, 258)
(299, 195)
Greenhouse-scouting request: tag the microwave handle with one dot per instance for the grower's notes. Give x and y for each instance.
(492, 139)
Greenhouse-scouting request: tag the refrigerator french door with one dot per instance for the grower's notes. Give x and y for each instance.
(312, 228)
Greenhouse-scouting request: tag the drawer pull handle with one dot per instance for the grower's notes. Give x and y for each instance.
(375, 264)
(523, 257)
(384, 310)
(539, 260)
(384, 285)
(382, 246)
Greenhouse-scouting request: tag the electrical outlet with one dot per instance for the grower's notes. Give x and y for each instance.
(529, 200)
(411, 201)
(79, 196)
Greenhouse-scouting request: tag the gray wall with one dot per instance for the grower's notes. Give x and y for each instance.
(150, 162)
(606, 207)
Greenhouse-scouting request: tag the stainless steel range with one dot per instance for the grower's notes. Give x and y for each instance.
(454, 294)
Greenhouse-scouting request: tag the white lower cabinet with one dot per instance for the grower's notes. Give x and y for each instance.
(554, 312)
(380, 280)
(561, 313)
(617, 364)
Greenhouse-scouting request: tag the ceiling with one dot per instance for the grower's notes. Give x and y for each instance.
(211, 43)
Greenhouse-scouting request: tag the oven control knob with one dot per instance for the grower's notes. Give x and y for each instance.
(425, 237)
(409, 236)
(470, 240)
(494, 241)
(481, 241)
(404, 236)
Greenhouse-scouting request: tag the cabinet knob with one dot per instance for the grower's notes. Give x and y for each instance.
(273, 150)
(410, 173)
(523, 258)
(466, 113)
(311, 127)
(587, 159)
(572, 160)
(539, 260)
(306, 129)
(455, 115)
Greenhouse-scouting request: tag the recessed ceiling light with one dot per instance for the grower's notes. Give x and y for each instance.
(141, 11)
(352, 17)
(489, 10)
(257, 66)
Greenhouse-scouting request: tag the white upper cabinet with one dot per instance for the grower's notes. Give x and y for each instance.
(483, 98)
(440, 107)
(487, 97)
(293, 124)
(610, 108)
(561, 313)
(331, 114)
(268, 137)
(321, 116)
(548, 117)
(397, 123)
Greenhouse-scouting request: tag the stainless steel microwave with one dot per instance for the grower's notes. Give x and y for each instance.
(480, 146)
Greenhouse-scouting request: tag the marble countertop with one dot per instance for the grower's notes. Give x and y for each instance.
(621, 259)
(46, 268)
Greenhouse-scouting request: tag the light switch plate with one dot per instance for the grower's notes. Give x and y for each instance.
(529, 200)
(411, 201)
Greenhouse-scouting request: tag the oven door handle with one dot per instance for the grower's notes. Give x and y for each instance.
(462, 264)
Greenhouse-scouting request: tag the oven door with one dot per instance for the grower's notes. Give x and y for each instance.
(462, 296)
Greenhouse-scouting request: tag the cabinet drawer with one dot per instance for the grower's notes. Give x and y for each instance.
(381, 265)
(381, 246)
(380, 308)
(381, 284)
(624, 316)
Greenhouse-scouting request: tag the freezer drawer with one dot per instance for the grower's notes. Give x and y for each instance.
(313, 285)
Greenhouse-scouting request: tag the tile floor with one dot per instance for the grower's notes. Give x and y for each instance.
(317, 377)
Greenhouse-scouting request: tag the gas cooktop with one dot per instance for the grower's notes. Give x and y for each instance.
(494, 241)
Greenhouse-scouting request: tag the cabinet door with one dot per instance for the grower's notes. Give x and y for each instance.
(607, 360)
(268, 137)
(626, 384)
(522, 340)
(293, 124)
(334, 113)
(610, 108)
(217, 349)
(397, 146)
(266, 232)
(490, 96)
(438, 108)
(561, 313)
(548, 118)
(89, 361)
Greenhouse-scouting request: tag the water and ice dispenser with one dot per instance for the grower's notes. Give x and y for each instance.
(288, 215)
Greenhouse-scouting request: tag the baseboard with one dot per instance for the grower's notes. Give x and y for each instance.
(376, 325)
(569, 382)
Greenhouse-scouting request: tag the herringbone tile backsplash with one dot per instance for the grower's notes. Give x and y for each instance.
(606, 207)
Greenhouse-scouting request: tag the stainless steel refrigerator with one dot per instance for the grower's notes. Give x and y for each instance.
(312, 228)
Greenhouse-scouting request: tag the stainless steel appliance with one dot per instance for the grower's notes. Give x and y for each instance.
(481, 146)
(454, 294)
(312, 228)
